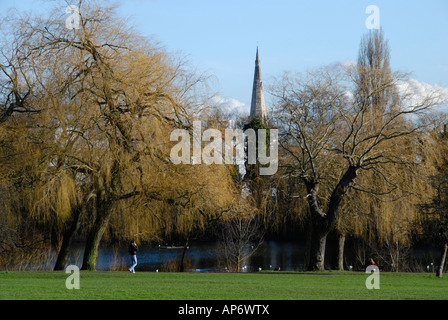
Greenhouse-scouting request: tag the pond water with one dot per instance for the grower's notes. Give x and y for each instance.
(200, 257)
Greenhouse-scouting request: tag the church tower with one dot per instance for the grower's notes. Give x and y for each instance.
(258, 106)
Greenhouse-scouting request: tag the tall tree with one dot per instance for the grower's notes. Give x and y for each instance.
(331, 134)
(435, 210)
(107, 101)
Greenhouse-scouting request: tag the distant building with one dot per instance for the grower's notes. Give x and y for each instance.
(258, 106)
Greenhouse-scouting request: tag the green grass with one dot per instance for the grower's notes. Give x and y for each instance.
(221, 286)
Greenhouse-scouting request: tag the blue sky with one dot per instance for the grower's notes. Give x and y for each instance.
(220, 36)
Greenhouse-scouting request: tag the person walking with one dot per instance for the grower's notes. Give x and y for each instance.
(133, 252)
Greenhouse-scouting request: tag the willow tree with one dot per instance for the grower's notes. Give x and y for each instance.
(332, 134)
(34, 133)
(382, 209)
(382, 214)
(434, 218)
(109, 100)
(437, 210)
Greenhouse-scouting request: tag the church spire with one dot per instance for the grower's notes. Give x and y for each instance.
(258, 107)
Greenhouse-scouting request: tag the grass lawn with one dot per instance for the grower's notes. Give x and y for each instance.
(221, 286)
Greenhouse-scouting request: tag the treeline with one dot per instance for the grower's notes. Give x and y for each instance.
(85, 122)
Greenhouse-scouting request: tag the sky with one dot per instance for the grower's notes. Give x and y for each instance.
(220, 37)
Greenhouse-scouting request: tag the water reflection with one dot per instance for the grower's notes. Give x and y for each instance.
(200, 257)
(284, 256)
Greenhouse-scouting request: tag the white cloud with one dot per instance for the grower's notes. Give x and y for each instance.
(415, 93)
(230, 106)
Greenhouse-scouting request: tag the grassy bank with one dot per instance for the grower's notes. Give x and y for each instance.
(221, 286)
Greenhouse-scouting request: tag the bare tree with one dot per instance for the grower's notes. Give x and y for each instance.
(331, 134)
(240, 236)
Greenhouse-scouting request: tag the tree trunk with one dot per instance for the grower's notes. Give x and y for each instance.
(71, 229)
(318, 230)
(307, 254)
(317, 250)
(442, 261)
(184, 252)
(341, 252)
(318, 243)
(324, 223)
(94, 239)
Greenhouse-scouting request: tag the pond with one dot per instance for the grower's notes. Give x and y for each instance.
(200, 257)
